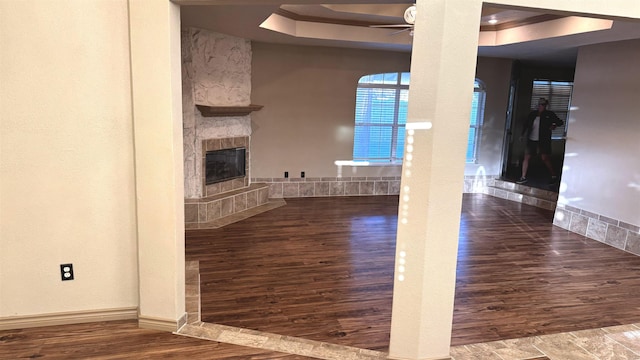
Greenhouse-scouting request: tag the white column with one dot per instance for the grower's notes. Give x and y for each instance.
(157, 117)
(442, 75)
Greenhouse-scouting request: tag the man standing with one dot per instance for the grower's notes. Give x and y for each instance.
(538, 127)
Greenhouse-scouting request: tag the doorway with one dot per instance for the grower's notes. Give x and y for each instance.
(528, 83)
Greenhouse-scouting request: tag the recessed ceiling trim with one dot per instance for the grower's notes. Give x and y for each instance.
(564, 26)
(523, 22)
(330, 31)
(322, 20)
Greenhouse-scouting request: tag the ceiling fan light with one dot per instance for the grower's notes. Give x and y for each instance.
(410, 15)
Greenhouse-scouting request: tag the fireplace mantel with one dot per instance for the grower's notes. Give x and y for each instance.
(211, 111)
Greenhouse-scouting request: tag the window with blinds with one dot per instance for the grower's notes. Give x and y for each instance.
(558, 93)
(477, 118)
(381, 115)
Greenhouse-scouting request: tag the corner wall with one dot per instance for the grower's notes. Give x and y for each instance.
(600, 189)
(157, 118)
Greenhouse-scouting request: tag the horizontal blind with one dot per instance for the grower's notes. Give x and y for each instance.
(381, 112)
(375, 111)
(372, 142)
(375, 106)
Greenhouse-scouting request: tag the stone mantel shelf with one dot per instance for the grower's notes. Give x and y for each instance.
(211, 111)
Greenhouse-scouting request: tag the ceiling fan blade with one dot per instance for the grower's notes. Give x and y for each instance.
(392, 26)
(401, 31)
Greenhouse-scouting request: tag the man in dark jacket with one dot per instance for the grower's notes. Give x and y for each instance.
(540, 123)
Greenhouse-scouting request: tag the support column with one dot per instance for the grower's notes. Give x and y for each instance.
(157, 116)
(442, 76)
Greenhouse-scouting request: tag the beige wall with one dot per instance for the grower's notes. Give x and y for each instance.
(602, 167)
(71, 108)
(66, 157)
(308, 95)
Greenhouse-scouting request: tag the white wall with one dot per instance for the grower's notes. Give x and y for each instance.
(602, 163)
(66, 157)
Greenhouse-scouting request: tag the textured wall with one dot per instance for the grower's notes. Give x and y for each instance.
(216, 71)
(221, 68)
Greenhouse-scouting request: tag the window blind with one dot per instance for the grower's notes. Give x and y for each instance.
(381, 112)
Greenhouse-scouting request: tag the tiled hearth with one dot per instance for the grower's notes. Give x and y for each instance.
(228, 207)
(227, 201)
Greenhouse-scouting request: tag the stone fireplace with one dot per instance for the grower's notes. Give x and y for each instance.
(216, 103)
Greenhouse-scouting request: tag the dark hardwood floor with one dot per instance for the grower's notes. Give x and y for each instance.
(119, 340)
(322, 269)
(316, 268)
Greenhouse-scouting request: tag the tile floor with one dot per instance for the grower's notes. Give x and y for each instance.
(618, 342)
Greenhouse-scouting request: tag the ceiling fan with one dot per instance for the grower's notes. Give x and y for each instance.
(409, 18)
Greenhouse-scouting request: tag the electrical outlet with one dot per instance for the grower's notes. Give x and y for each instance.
(302, 174)
(286, 174)
(66, 271)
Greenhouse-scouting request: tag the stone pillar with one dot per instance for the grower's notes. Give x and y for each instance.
(216, 71)
(442, 75)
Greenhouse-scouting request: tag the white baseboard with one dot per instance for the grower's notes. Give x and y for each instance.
(147, 322)
(67, 318)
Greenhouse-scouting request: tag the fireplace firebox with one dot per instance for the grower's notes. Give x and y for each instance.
(225, 164)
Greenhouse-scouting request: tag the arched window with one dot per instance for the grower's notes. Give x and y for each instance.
(475, 123)
(381, 115)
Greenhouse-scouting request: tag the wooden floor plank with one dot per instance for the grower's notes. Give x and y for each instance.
(322, 268)
(120, 340)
